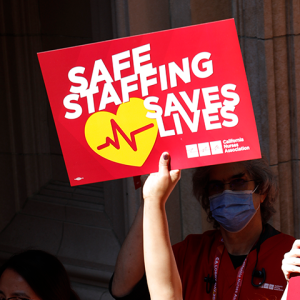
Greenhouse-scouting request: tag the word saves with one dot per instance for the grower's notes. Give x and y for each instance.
(217, 100)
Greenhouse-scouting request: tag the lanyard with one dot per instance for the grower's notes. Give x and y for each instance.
(239, 278)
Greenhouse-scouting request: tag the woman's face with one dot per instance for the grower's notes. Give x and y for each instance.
(13, 285)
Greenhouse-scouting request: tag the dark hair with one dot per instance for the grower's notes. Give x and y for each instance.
(258, 170)
(44, 273)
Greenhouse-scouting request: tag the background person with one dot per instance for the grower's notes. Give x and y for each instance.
(240, 259)
(37, 275)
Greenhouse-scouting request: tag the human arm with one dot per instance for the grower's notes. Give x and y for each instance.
(161, 269)
(130, 263)
(291, 264)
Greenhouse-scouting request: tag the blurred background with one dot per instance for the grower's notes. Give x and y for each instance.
(85, 226)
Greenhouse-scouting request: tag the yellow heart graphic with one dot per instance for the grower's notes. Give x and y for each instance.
(126, 138)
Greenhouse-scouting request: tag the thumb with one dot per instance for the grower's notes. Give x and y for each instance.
(164, 161)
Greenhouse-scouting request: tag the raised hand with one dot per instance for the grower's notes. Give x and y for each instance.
(291, 261)
(158, 186)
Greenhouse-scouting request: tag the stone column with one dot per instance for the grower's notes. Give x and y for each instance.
(24, 150)
(269, 37)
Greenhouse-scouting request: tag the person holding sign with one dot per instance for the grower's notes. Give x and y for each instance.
(239, 260)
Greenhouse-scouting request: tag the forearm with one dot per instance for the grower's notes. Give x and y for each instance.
(285, 292)
(130, 263)
(161, 270)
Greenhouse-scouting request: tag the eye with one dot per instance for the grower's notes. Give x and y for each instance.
(239, 184)
(215, 187)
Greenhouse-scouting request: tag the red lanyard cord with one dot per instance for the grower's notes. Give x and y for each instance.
(240, 274)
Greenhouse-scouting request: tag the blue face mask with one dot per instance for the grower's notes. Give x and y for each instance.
(233, 210)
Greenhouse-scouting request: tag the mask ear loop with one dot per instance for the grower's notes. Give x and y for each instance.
(255, 189)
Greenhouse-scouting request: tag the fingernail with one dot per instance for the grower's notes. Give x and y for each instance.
(166, 156)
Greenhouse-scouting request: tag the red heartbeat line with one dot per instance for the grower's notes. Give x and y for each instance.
(130, 141)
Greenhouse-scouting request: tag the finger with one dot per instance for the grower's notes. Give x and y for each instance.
(296, 244)
(292, 269)
(293, 253)
(163, 166)
(290, 261)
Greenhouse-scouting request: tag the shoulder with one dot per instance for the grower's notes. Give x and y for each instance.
(275, 238)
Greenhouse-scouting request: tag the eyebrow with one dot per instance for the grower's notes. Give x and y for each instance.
(239, 175)
(20, 294)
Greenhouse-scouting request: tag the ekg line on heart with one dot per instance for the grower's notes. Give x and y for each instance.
(130, 141)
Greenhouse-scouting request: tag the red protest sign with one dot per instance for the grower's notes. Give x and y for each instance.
(293, 288)
(119, 104)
